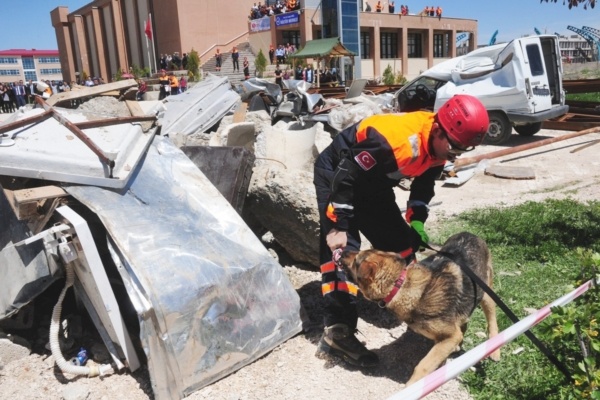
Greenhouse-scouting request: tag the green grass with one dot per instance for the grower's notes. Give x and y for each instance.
(533, 249)
(595, 96)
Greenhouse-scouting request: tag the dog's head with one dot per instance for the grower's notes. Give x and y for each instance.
(374, 271)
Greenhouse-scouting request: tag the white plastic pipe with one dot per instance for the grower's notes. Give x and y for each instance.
(66, 366)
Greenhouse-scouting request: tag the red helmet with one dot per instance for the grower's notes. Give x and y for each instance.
(464, 119)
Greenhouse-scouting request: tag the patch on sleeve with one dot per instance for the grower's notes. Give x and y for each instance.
(365, 160)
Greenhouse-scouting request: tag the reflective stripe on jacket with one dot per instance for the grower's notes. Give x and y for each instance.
(375, 155)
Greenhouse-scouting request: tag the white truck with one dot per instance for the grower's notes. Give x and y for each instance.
(519, 82)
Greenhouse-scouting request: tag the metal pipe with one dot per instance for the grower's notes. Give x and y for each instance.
(462, 162)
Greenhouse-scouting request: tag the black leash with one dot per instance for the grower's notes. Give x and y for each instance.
(561, 367)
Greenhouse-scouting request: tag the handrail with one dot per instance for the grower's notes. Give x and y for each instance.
(246, 33)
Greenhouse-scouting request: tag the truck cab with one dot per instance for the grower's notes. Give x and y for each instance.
(519, 83)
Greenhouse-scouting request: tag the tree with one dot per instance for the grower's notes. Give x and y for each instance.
(575, 3)
(193, 66)
(388, 76)
(260, 63)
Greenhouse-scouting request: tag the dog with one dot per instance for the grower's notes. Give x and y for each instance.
(434, 297)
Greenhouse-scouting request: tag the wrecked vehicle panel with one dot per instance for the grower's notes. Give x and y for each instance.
(520, 84)
(205, 294)
(199, 108)
(50, 150)
(218, 298)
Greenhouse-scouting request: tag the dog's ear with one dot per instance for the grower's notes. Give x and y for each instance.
(366, 272)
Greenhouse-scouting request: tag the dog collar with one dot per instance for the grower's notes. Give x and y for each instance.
(397, 285)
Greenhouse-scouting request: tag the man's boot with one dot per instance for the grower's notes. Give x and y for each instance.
(339, 340)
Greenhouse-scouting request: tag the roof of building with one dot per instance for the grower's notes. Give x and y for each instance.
(331, 47)
(28, 53)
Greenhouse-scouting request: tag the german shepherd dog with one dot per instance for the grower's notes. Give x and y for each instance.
(434, 297)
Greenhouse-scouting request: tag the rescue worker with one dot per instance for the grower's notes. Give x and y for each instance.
(174, 83)
(165, 86)
(354, 179)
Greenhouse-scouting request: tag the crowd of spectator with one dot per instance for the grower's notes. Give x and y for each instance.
(391, 7)
(172, 62)
(432, 11)
(281, 54)
(278, 7)
(14, 95)
(308, 74)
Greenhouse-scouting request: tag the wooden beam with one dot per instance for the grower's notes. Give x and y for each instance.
(90, 91)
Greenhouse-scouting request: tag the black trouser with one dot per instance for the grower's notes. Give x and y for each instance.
(236, 64)
(376, 215)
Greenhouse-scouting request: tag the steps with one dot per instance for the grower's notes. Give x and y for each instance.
(236, 77)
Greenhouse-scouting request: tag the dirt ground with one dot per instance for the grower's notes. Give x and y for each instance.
(291, 371)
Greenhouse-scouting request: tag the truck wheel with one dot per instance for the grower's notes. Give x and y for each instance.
(529, 129)
(499, 129)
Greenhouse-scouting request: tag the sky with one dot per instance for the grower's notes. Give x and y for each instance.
(512, 19)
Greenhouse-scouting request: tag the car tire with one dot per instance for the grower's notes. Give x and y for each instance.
(499, 130)
(529, 129)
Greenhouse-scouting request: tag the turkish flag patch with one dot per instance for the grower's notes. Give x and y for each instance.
(365, 160)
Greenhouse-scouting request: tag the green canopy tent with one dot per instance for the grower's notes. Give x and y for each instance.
(323, 48)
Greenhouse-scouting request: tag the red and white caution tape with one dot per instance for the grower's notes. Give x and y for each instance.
(451, 370)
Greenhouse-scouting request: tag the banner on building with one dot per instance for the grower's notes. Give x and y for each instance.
(287, 18)
(261, 24)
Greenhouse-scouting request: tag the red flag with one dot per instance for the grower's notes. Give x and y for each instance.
(148, 30)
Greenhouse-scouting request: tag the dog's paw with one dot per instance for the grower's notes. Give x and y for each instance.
(495, 355)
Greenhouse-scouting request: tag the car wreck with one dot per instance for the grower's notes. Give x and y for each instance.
(519, 82)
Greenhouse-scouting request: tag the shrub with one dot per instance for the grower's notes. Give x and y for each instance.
(193, 66)
(260, 63)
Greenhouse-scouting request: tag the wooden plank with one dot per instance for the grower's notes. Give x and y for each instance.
(25, 202)
(136, 111)
(240, 113)
(90, 91)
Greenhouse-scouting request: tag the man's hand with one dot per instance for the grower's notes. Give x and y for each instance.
(336, 239)
(418, 228)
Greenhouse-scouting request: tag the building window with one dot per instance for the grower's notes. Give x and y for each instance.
(50, 71)
(30, 76)
(365, 45)
(389, 45)
(415, 45)
(291, 37)
(9, 72)
(28, 63)
(438, 45)
(49, 60)
(8, 60)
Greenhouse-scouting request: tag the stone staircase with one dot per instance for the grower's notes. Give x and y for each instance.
(227, 64)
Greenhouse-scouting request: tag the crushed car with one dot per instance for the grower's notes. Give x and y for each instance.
(519, 82)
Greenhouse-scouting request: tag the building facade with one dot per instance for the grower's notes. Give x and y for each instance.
(108, 36)
(408, 44)
(25, 65)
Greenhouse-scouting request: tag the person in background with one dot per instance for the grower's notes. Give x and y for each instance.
(379, 7)
(174, 82)
(367, 6)
(278, 76)
(184, 61)
(142, 88)
(30, 90)
(391, 7)
(235, 58)
(20, 95)
(438, 12)
(165, 85)
(218, 60)
(182, 84)
(246, 67)
(271, 54)
(354, 179)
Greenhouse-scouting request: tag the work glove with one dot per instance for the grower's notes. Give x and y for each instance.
(419, 236)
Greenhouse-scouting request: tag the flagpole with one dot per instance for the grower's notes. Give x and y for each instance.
(153, 40)
(148, 49)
